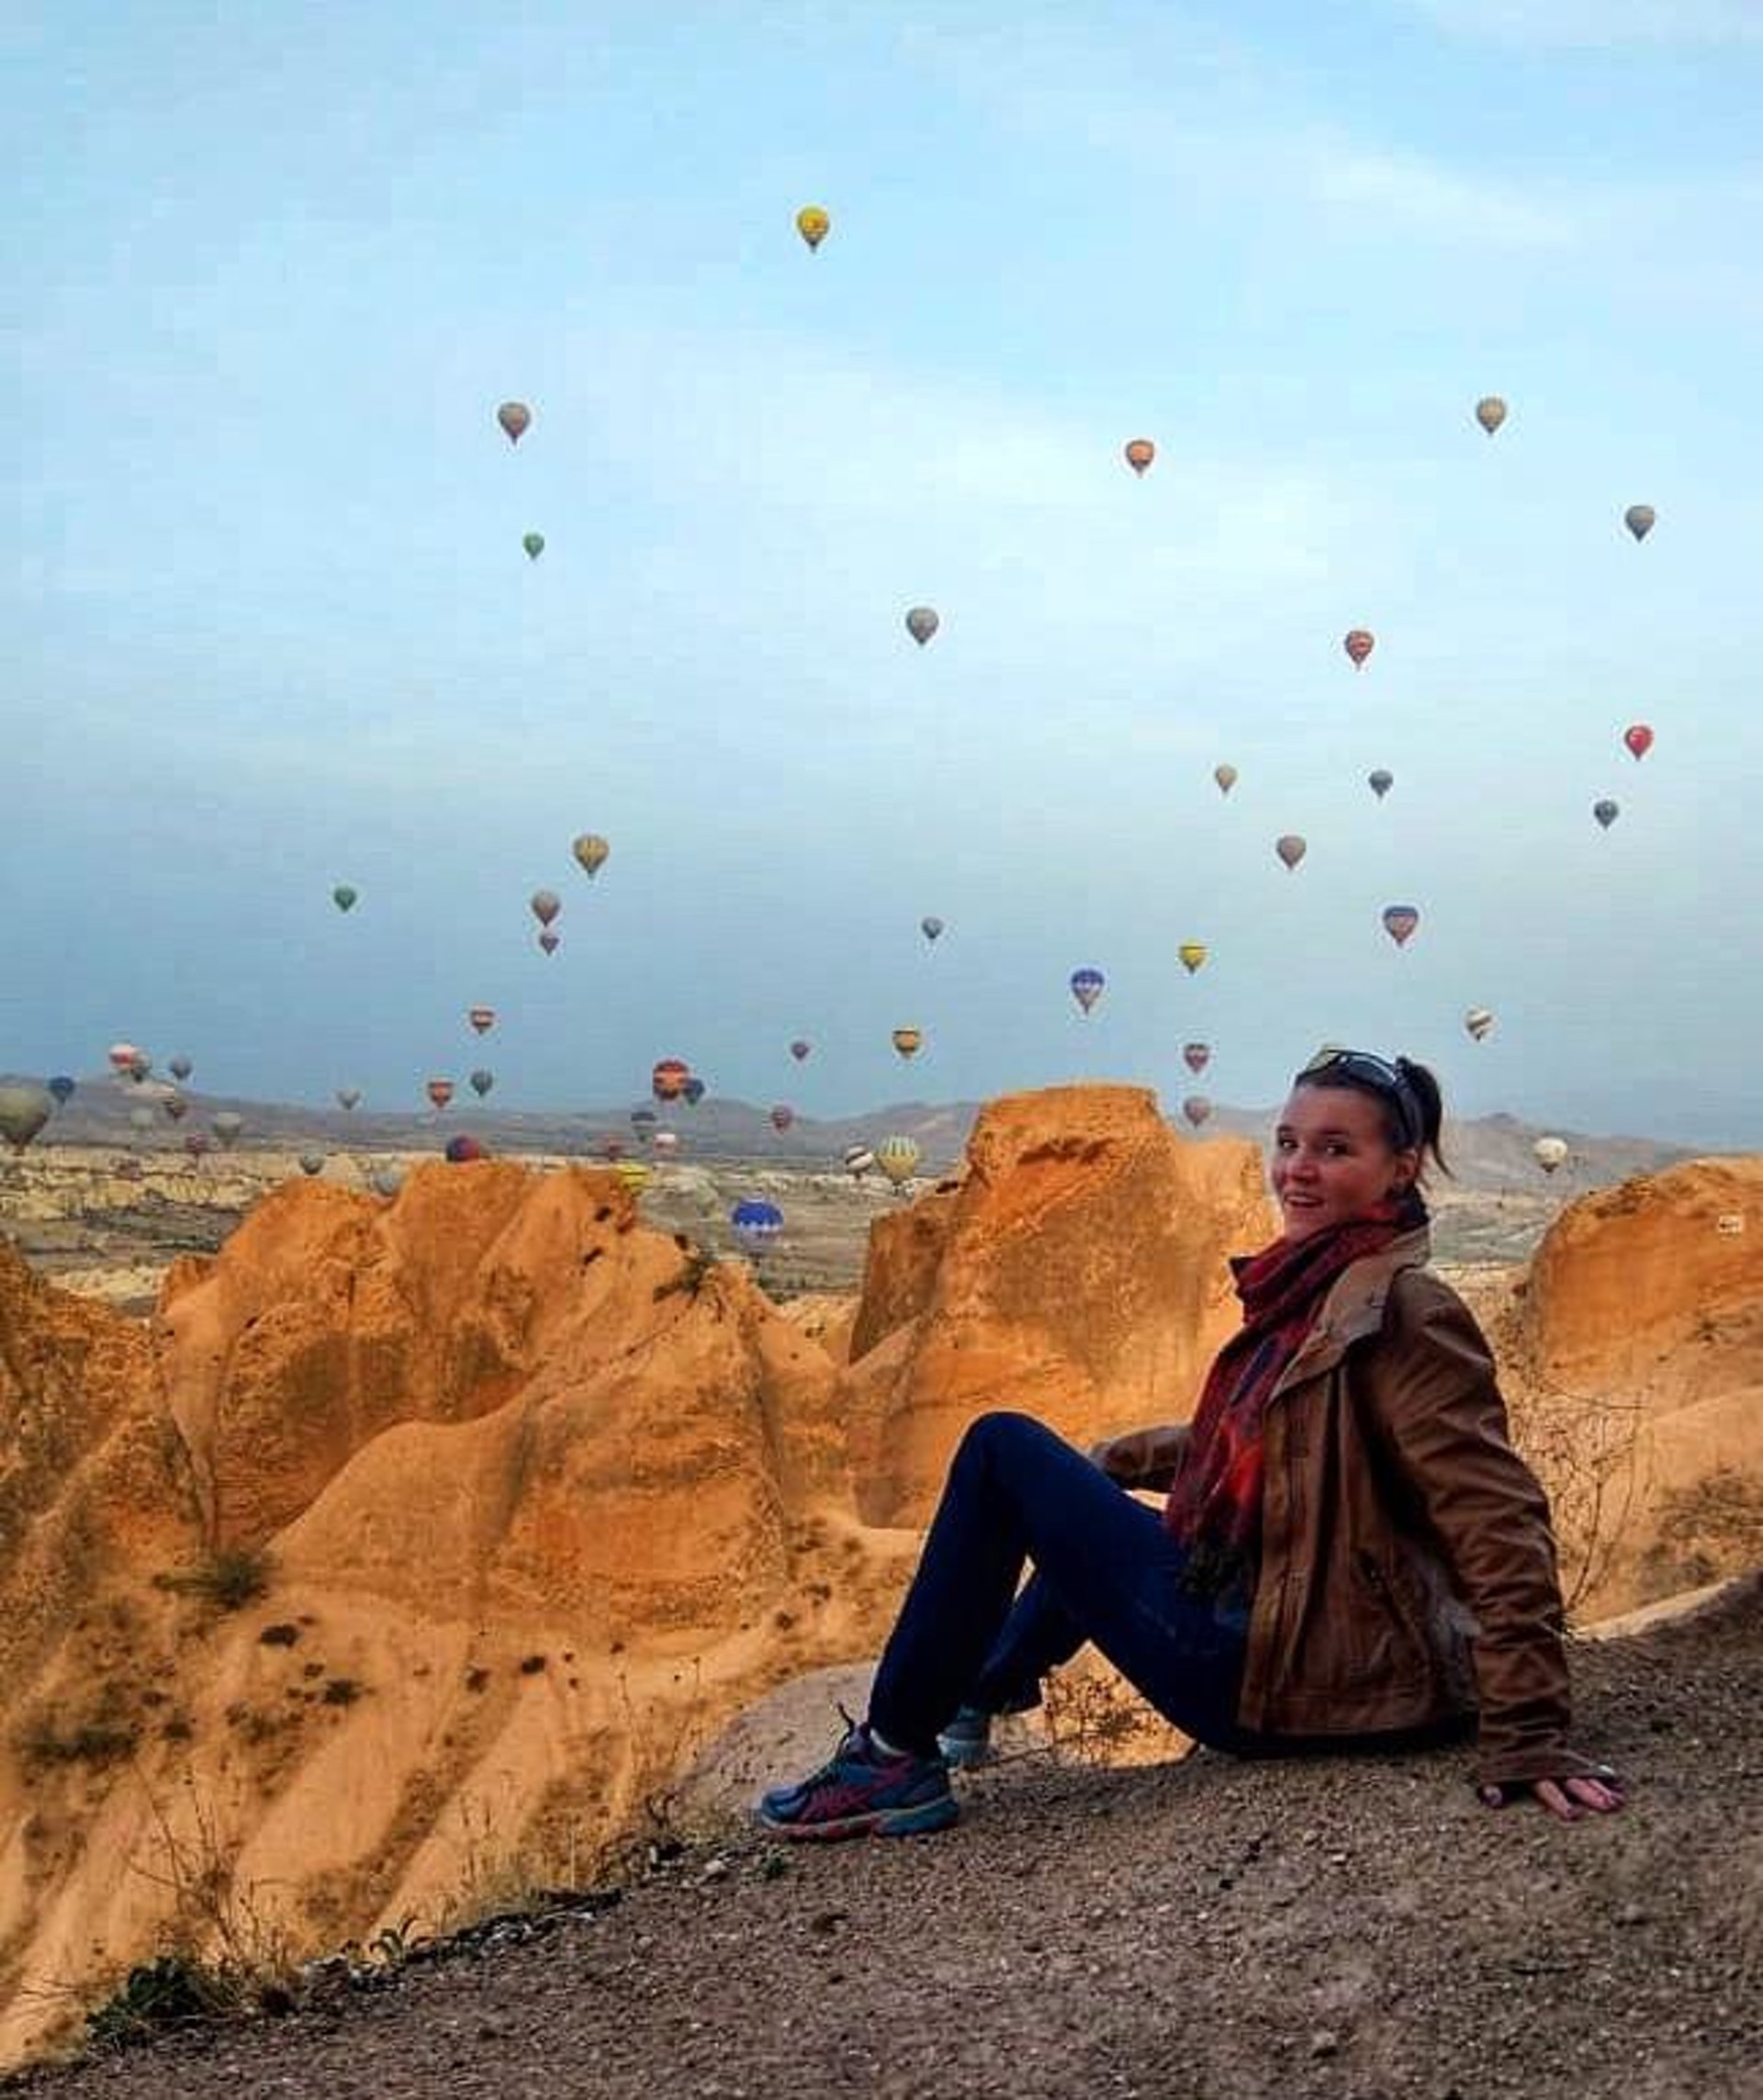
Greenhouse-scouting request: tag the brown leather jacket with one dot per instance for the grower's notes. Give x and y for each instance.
(1407, 1571)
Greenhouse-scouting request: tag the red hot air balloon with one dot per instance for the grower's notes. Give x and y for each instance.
(545, 905)
(667, 1080)
(514, 417)
(482, 1019)
(1196, 1056)
(440, 1092)
(1141, 451)
(1359, 644)
(1639, 739)
(782, 1116)
(463, 1149)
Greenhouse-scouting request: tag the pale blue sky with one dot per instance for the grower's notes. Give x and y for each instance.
(270, 626)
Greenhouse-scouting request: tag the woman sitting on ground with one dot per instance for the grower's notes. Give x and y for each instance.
(1351, 1555)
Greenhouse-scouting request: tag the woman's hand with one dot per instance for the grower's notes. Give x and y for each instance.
(1571, 1800)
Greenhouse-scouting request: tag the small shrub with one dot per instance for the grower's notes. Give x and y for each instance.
(476, 1678)
(96, 1741)
(282, 1635)
(530, 1666)
(341, 1692)
(228, 1580)
(176, 1989)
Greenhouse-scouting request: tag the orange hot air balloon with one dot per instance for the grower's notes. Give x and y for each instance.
(1141, 451)
(1639, 739)
(907, 1041)
(814, 222)
(440, 1092)
(1359, 643)
(670, 1078)
(514, 416)
(1291, 849)
(482, 1019)
(1490, 412)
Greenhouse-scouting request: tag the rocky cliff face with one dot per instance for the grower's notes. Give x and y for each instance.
(1077, 1273)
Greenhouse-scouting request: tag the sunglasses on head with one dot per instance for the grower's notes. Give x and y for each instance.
(1373, 1075)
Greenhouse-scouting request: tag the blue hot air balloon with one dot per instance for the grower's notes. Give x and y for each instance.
(1086, 987)
(756, 1222)
(62, 1088)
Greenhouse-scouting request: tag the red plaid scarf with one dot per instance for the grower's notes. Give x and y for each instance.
(1214, 1507)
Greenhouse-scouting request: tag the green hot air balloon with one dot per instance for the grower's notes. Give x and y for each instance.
(535, 544)
(25, 1106)
(343, 897)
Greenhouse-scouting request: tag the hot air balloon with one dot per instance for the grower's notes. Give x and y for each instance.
(800, 1049)
(535, 544)
(694, 1092)
(61, 1090)
(1291, 849)
(1639, 739)
(1606, 812)
(196, 1143)
(550, 941)
(1359, 643)
(343, 896)
(312, 1162)
(782, 1116)
(591, 850)
(348, 1096)
(1226, 776)
(226, 1127)
(481, 1082)
(1490, 412)
(666, 1142)
(897, 1157)
(756, 1223)
(922, 623)
(1086, 989)
(462, 1148)
(1196, 1108)
(814, 223)
(1192, 953)
(1400, 922)
(176, 1107)
(908, 1041)
(634, 1173)
(122, 1058)
(667, 1079)
(514, 416)
(1141, 451)
(1639, 519)
(612, 1149)
(387, 1180)
(545, 905)
(643, 1121)
(180, 1069)
(1380, 781)
(25, 1106)
(931, 928)
(1478, 1021)
(1550, 1153)
(1196, 1056)
(440, 1092)
(858, 1159)
(482, 1019)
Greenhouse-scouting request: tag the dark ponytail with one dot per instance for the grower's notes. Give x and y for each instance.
(1425, 1086)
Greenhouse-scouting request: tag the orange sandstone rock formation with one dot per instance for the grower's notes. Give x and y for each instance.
(1078, 1272)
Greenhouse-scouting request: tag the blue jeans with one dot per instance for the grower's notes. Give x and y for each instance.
(1106, 1570)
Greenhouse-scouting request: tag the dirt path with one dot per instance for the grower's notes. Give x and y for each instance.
(1339, 1930)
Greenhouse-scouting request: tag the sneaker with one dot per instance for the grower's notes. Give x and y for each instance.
(859, 1792)
(967, 1741)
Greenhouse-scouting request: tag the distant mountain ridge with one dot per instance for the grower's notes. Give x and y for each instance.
(1487, 1153)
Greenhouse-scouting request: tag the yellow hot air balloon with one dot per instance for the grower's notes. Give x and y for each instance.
(814, 224)
(591, 851)
(907, 1040)
(1192, 953)
(897, 1157)
(634, 1173)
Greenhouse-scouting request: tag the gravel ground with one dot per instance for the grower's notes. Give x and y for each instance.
(1337, 1929)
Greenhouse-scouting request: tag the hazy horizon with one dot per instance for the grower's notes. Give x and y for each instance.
(274, 628)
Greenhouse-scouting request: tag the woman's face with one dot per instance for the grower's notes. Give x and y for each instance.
(1332, 1158)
